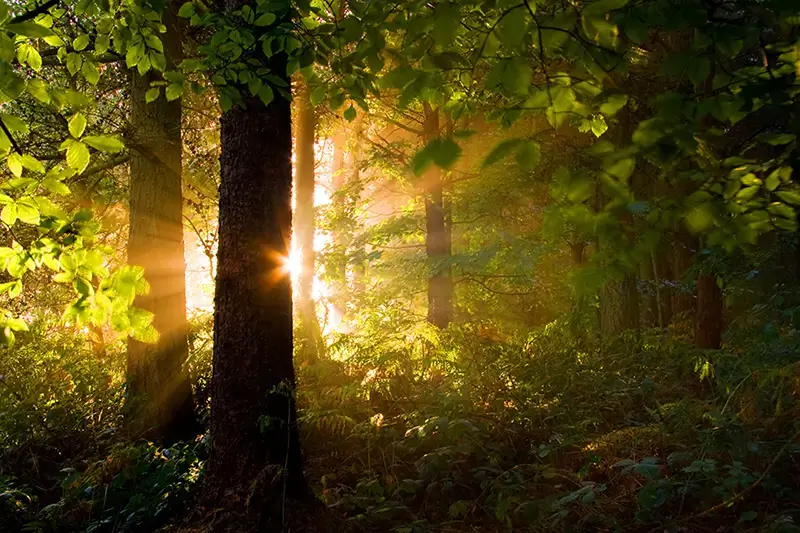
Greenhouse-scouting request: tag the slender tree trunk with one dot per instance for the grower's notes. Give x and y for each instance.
(160, 391)
(340, 237)
(304, 218)
(253, 413)
(683, 254)
(708, 321)
(437, 236)
(708, 317)
(663, 271)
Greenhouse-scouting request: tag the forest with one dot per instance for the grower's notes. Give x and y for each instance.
(407, 266)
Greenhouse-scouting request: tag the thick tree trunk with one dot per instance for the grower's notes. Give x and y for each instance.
(160, 391)
(437, 236)
(253, 413)
(304, 218)
(708, 321)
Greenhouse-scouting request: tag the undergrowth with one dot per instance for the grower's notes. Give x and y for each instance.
(426, 431)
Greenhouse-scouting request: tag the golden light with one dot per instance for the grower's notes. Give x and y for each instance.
(293, 264)
(199, 271)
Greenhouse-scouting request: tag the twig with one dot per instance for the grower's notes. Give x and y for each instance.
(733, 499)
(34, 12)
(10, 137)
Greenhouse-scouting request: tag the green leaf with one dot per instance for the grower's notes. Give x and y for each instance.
(699, 218)
(698, 70)
(90, 72)
(78, 156)
(74, 63)
(28, 212)
(790, 197)
(9, 214)
(38, 89)
(265, 94)
(154, 43)
(14, 124)
(528, 155)
(102, 43)
(187, 10)
(266, 19)
(31, 163)
(29, 29)
(16, 324)
(783, 210)
(80, 42)
(105, 143)
(173, 91)
(613, 104)
(14, 162)
(622, 169)
(517, 76)
(317, 96)
(77, 125)
(152, 94)
(441, 151)
(349, 114)
(511, 30)
(599, 126)
(56, 187)
(501, 151)
(446, 21)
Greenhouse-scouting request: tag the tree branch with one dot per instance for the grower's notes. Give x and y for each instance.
(35, 12)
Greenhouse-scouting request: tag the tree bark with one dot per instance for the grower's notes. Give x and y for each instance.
(253, 412)
(708, 321)
(160, 395)
(437, 237)
(304, 218)
(619, 309)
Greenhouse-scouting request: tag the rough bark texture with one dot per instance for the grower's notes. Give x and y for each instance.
(437, 236)
(160, 392)
(253, 413)
(304, 218)
(619, 309)
(708, 321)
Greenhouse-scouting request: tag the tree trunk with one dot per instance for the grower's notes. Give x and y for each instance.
(437, 236)
(663, 271)
(619, 309)
(340, 237)
(682, 296)
(619, 297)
(253, 413)
(304, 218)
(708, 315)
(160, 392)
(708, 321)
